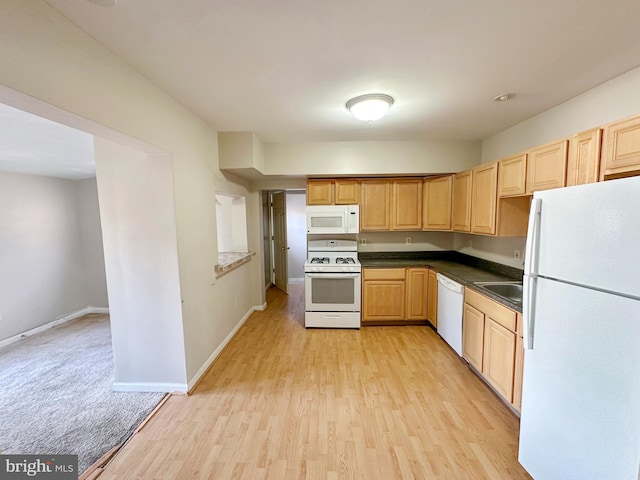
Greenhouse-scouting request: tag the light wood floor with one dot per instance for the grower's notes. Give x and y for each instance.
(282, 402)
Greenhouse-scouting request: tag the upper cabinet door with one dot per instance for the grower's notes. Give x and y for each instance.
(512, 176)
(462, 201)
(406, 204)
(621, 149)
(483, 198)
(347, 192)
(375, 202)
(547, 166)
(320, 192)
(436, 203)
(583, 165)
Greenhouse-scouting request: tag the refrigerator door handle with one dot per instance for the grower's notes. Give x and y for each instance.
(528, 309)
(531, 249)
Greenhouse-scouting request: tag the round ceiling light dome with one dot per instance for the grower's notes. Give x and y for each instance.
(370, 107)
(504, 97)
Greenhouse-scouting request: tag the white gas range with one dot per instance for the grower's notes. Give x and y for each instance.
(332, 284)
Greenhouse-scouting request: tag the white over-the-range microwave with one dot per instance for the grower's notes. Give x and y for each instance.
(333, 219)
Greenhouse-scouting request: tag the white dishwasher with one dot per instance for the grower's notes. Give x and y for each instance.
(450, 303)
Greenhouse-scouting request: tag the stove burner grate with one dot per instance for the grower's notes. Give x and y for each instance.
(320, 260)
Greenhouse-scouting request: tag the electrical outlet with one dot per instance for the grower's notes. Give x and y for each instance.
(516, 254)
(407, 240)
(470, 244)
(363, 241)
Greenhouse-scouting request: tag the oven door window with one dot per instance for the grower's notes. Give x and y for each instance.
(333, 291)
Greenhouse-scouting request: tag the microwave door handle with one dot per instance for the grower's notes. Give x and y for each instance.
(332, 275)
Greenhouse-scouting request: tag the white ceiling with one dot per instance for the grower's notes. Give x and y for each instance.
(33, 145)
(285, 68)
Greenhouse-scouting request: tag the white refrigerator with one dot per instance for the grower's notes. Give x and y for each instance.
(580, 415)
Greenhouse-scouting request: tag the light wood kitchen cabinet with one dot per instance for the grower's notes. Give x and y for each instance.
(547, 166)
(347, 192)
(512, 216)
(621, 149)
(436, 203)
(583, 165)
(512, 176)
(320, 192)
(461, 217)
(432, 298)
(498, 357)
(383, 294)
(484, 186)
(406, 204)
(518, 366)
(473, 336)
(489, 342)
(375, 204)
(417, 280)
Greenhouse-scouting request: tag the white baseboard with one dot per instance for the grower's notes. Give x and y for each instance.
(150, 387)
(98, 310)
(223, 344)
(55, 323)
(296, 281)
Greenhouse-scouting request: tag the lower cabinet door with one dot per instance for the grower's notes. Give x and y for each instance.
(473, 336)
(498, 358)
(517, 374)
(432, 298)
(416, 284)
(383, 300)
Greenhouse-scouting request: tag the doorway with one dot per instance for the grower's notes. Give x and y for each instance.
(139, 238)
(284, 224)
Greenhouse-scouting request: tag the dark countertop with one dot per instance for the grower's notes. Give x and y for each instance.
(459, 267)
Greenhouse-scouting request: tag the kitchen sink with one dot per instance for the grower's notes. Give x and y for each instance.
(509, 290)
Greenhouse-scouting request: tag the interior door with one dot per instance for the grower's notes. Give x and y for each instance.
(280, 248)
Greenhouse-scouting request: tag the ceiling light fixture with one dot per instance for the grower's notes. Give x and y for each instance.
(504, 97)
(370, 107)
(104, 3)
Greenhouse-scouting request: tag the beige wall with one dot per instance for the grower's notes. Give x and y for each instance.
(396, 241)
(499, 250)
(137, 211)
(370, 158)
(48, 226)
(91, 236)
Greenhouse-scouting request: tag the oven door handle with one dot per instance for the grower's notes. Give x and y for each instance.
(332, 275)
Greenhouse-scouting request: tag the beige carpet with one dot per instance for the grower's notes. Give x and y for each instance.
(56, 396)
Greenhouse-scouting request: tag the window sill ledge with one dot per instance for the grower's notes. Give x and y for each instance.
(228, 261)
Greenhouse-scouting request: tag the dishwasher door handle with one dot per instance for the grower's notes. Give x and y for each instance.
(448, 283)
